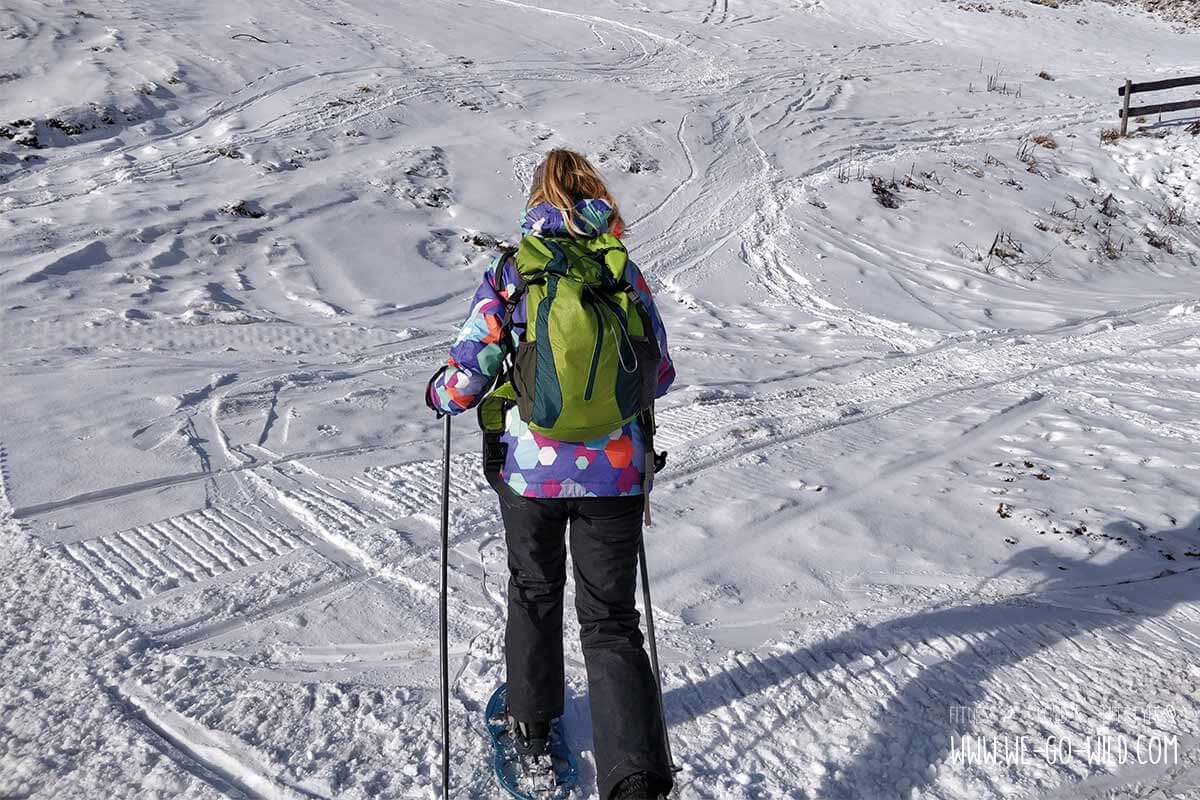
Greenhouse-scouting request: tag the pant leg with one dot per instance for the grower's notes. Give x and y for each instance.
(626, 724)
(535, 531)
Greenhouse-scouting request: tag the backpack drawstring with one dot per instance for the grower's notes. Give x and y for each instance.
(624, 334)
(619, 331)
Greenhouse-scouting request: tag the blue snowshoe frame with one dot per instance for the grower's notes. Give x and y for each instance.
(566, 770)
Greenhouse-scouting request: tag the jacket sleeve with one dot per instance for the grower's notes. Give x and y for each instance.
(666, 368)
(475, 356)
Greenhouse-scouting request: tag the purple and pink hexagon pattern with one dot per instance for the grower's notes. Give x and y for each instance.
(537, 466)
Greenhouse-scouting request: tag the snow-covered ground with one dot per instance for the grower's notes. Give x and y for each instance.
(933, 467)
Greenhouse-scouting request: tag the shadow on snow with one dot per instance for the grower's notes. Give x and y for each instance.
(916, 725)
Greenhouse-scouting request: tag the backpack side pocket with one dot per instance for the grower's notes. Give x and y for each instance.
(525, 378)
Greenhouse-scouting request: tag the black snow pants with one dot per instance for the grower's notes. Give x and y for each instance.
(606, 533)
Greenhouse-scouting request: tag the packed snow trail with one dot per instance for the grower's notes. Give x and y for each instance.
(932, 478)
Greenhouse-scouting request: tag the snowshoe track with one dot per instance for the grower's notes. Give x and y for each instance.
(140, 562)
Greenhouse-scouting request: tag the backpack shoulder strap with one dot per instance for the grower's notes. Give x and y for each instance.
(507, 254)
(511, 293)
(499, 393)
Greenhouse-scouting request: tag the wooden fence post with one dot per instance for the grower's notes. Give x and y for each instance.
(1125, 111)
(1130, 87)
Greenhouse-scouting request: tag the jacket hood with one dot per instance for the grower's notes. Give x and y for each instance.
(544, 219)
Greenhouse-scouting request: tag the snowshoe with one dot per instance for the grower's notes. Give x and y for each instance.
(531, 762)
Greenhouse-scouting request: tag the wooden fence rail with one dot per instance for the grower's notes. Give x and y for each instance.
(1130, 88)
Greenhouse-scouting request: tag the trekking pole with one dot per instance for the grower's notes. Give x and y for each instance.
(444, 649)
(662, 711)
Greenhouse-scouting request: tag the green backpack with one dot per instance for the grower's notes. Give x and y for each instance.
(587, 360)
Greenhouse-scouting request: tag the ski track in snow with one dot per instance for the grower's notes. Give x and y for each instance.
(915, 490)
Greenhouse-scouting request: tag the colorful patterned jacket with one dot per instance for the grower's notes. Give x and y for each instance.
(537, 466)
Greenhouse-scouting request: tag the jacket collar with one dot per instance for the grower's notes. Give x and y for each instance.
(544, 219)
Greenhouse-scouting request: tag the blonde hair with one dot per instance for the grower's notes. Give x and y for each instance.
(565, 178)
